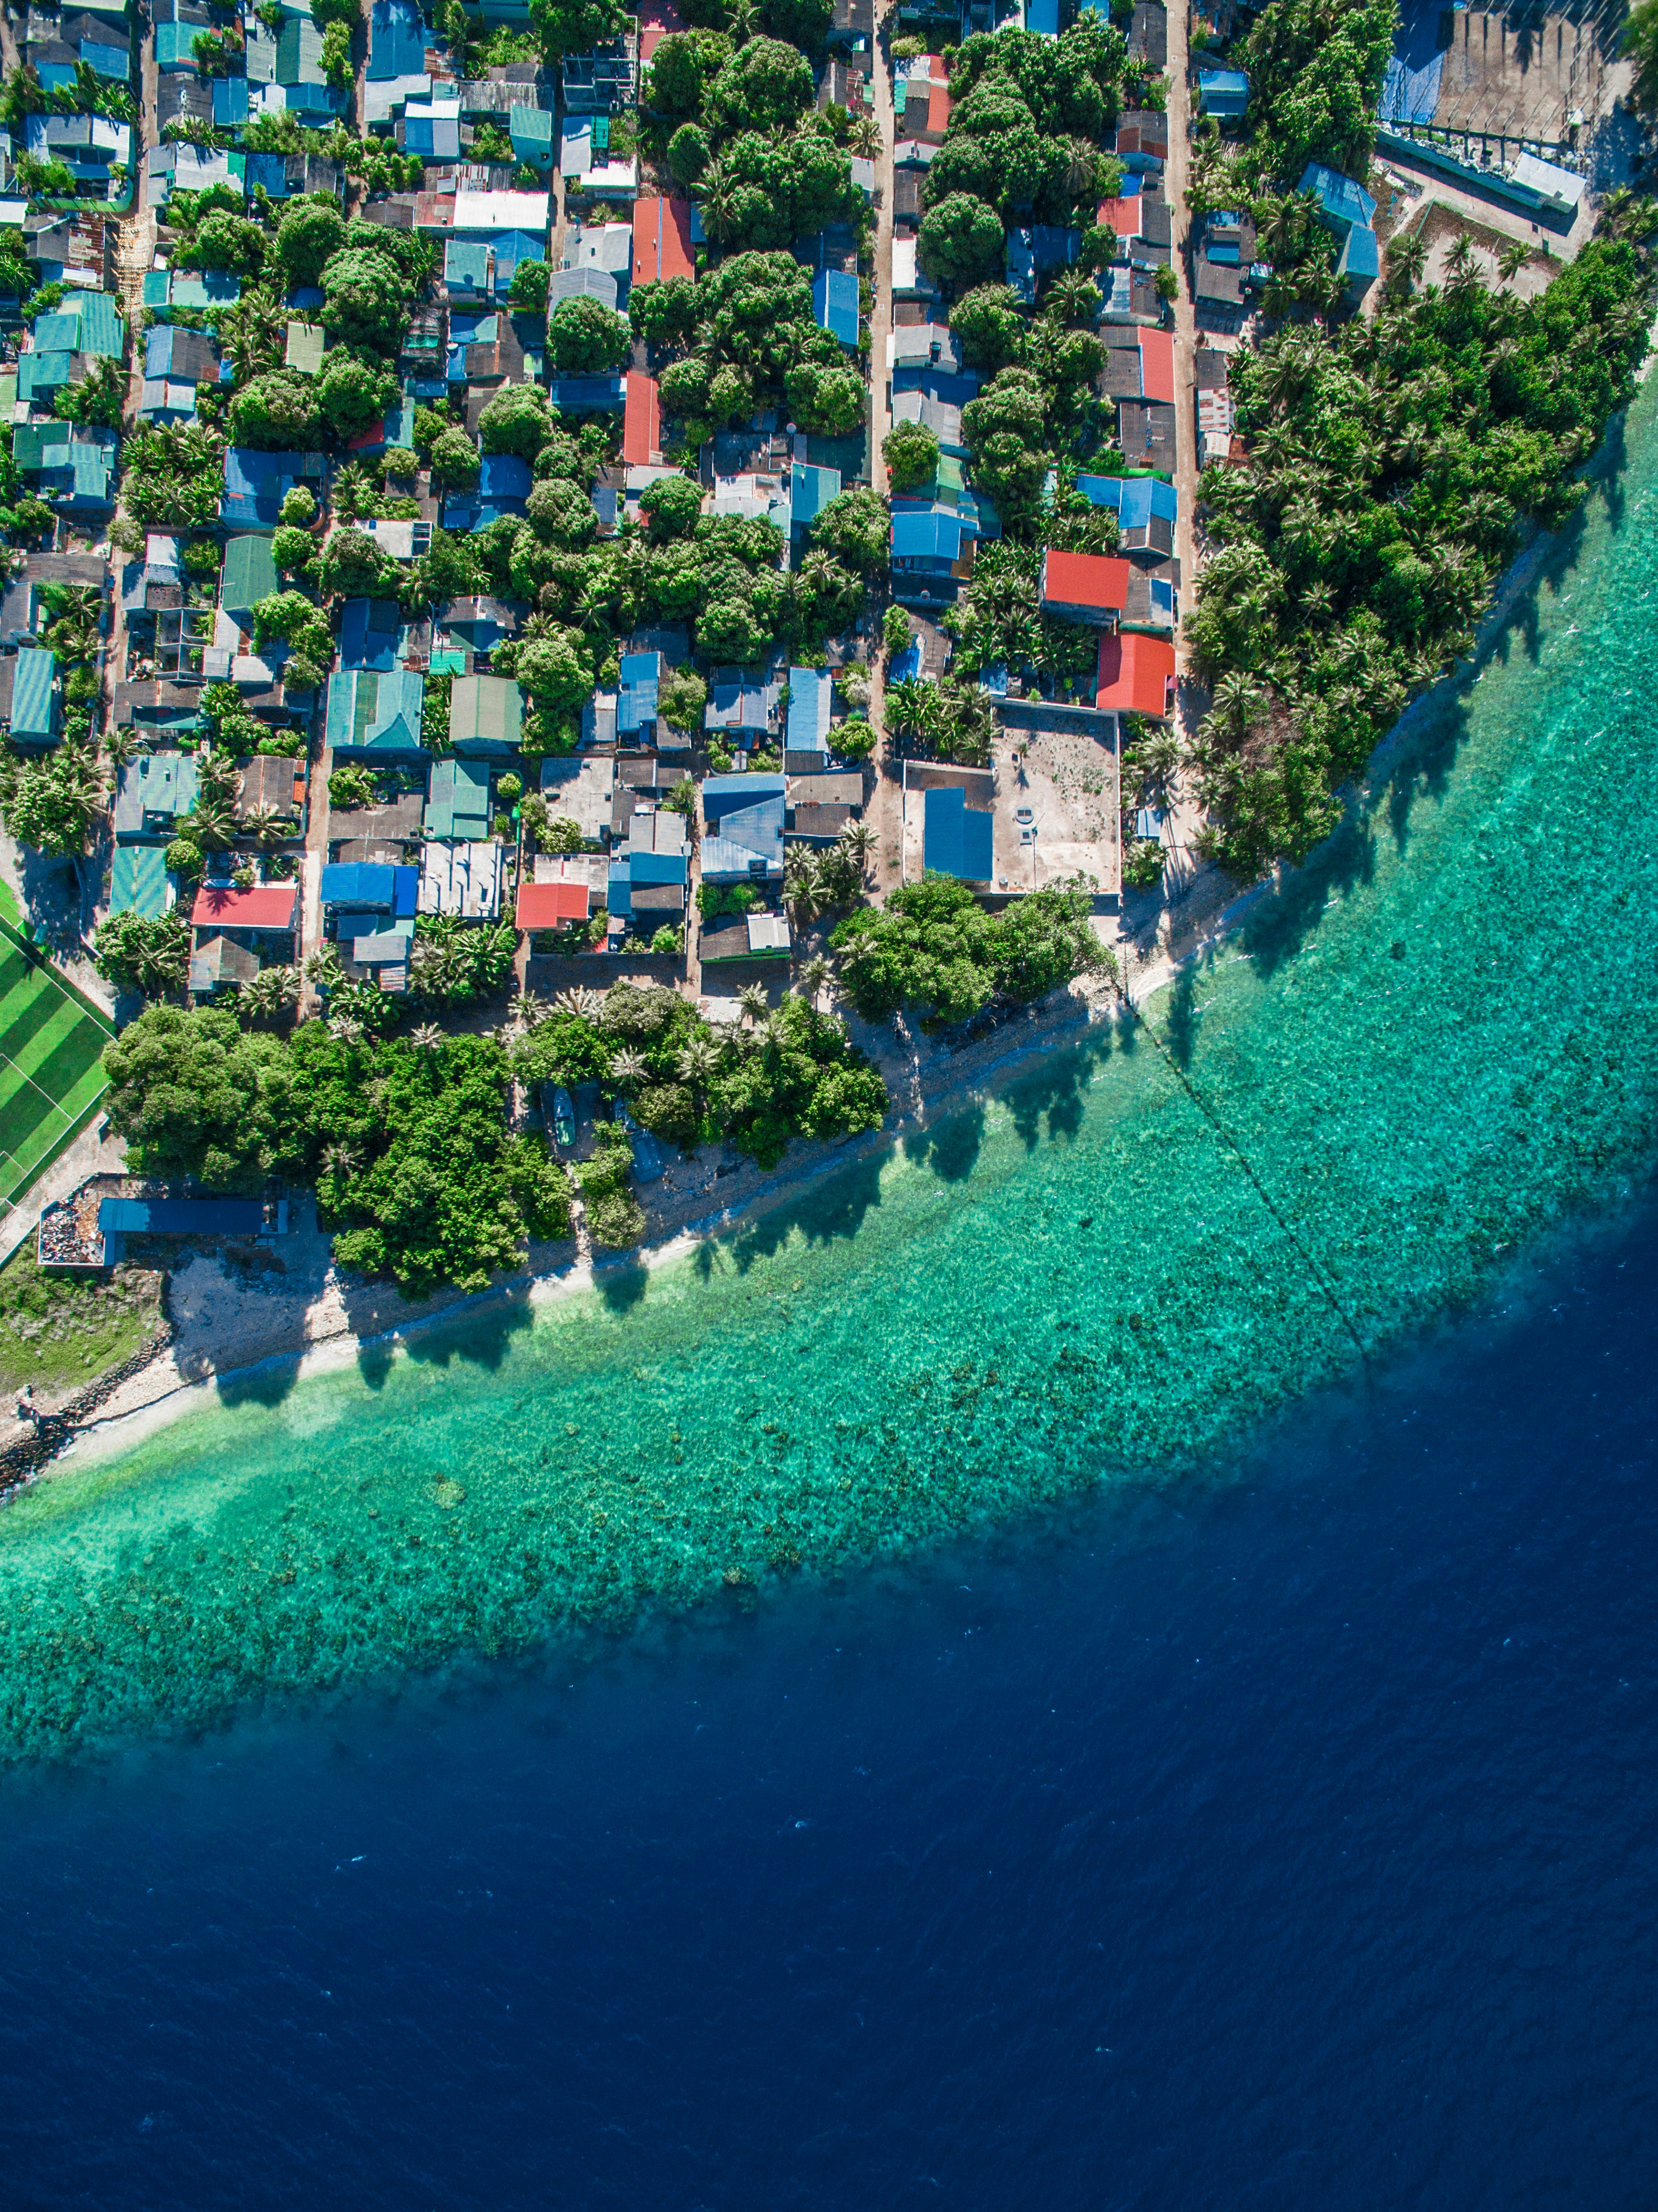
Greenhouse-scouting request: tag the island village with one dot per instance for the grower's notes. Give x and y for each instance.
(600, 606)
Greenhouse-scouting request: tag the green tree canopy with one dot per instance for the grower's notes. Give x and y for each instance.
(554, 672)
(681, 69)
(586, 338)
(911, 454)
(960, 239)
(310, 233)
(672, 506)
(276, 413)
(857, 526)
(355, 390)
(528, 288)
(764, 87)
(364, 299)
(519, 419)
(454, 458)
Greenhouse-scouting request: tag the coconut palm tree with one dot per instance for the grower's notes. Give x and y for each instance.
(699, 1062)
(1512, 260)
(120, 745)
(802, 883)
(717, 190)
(1073, 299)
(813, 976)
(426, 1037)
(212, 825)
(586, 1006)
(1238, 699)
(857, 842)
(1407, 256)
(629, 1065)
(217, 775)
(265, 826)
(754, 1003)
(338, 1160)
(269, 993)
(346, 1028)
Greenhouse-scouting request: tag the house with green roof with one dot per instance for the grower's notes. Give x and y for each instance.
(486, 714)
(34, 710)
(138, 881)
(458, 806)
(83, 322)
(249, 576)
(375, 717)
(165, 288)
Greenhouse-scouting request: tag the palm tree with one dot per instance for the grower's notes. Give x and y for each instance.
(324, 970)
(858, 842)
(699, 1062)
(338, 1160)
(1162, 759)
(717, 188)
(754, 1003)
(913, 705)
(629, 1067)
(426, 1037)
(265, 826)
(213, 823)
(801, 882)
(1238, 699)
(1318, 601)
(348, 1030)
(217, 775)
(269, 993)
(1407, 256)
(742, 21)
(584, 1003)
(1073, 298)
(120, 745)
(863, 138)
(1512, 260)
(814, 976)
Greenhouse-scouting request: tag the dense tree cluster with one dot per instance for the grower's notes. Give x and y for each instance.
(795, 1074)
(934, 947)
(1392, 463)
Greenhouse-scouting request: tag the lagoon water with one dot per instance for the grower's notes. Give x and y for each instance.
(1178, 1827)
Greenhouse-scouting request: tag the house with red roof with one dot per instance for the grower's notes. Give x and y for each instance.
(1083, 587)
(1136, 675)
(550, 906)
(641, 420)
(662, 239)
(267, 906)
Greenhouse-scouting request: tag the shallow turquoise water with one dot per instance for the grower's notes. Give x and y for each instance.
(1419, 1055)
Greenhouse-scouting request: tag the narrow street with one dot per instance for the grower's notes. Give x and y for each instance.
(885, 814)
(1185, 816)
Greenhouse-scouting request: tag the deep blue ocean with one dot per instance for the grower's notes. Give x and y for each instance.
(1288, 1838)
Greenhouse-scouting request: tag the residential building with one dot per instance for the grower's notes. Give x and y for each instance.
(1135, 675)
(1083, 587)
(486, 714)
(376, 716)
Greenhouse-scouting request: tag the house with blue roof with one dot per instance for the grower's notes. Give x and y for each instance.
(810, 697)
(229, 102)
(1359, 263)
(956, 838)
(743, 841)
(36, 718)
(373, 716)
(1223, 93)
(371, 634)
(165, 288)
(811, 490)
(926, 542)
(299, 69)
(641, 677)
(1146, 508)
(397, 41)
(1342, 203)
(835, 303)
(503, 487)
(83, 322)
(139, 883)
(431, 129)
(531, 129)
(175, 43)
(588, 395)
(255, 484)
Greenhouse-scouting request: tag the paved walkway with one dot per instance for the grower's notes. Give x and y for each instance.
(885, 813)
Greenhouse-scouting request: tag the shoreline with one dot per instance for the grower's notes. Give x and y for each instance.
(319, 1334)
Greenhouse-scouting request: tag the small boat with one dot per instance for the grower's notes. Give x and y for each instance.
(563, 1117)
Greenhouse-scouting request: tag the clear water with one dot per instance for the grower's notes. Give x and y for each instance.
(1417, 1057)
(1289, 1839)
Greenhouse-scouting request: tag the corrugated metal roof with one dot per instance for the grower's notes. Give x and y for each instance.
(32, 703)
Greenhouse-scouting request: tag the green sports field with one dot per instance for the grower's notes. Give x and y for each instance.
(51, 1050)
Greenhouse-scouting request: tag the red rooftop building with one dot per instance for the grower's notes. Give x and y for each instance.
(1084, 588)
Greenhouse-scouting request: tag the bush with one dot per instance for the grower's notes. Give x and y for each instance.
(454, 458)
(852, 739)
(350, 786)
